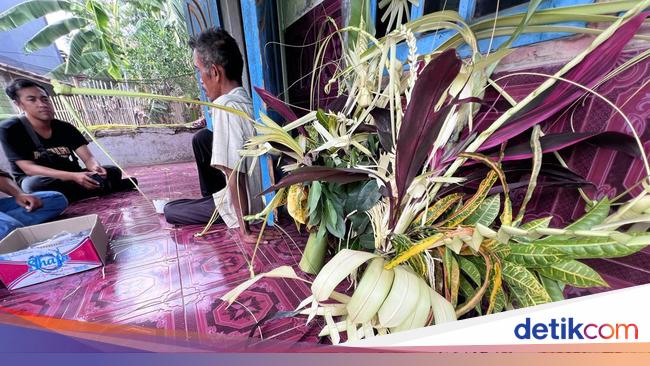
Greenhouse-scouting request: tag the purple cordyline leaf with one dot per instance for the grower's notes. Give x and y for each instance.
(515, 171)
(421, 121)
(551, 170)
(318, 173)
(587, 73)
(554, 142)
(337, 104)
(382, 121)
(545, 183)
(471, 100)
(481, 124)
(272, 102)
(451, 152)
(276, 104)
(366, 128)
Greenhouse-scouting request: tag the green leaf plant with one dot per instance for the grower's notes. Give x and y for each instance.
(381, 183)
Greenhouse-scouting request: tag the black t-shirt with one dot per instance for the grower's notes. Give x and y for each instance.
(18, 145)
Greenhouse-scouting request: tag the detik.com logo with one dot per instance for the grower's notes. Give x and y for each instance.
(569, 328)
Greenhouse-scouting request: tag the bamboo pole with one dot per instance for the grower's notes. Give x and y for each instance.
(117, 106)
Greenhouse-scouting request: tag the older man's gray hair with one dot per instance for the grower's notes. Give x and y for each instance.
(215, 46)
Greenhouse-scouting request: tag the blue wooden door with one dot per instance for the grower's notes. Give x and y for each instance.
(199, 16)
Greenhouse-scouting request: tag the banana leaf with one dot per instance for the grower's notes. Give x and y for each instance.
(27, 11)
(82, 63)
(313, 256)
(78, 44)
(52, 32)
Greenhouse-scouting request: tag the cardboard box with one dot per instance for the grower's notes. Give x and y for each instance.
(22, 266)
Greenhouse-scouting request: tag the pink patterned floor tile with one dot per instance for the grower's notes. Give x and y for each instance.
(166, 318)
(252, 314)
(129, 253)
(218, 236)
(220, 269)
(162, 278)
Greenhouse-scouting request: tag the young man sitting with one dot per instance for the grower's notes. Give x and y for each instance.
(42, 149)
(23, 209)
(220, 65)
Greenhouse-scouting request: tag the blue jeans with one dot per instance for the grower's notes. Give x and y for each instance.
(13, 216)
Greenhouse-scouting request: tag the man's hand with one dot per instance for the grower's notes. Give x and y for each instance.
(99, 170)
(199, 123)
(29, 202)
(84, 179)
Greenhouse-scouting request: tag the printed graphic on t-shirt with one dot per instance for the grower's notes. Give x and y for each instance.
(59, 148)
(61, 151)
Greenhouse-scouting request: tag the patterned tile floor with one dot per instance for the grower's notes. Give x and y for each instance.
(161, 278)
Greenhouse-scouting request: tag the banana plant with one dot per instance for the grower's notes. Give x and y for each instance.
(92, 39)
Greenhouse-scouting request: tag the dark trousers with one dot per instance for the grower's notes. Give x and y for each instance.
(211, 180)
(71, 190)
(190, 211)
